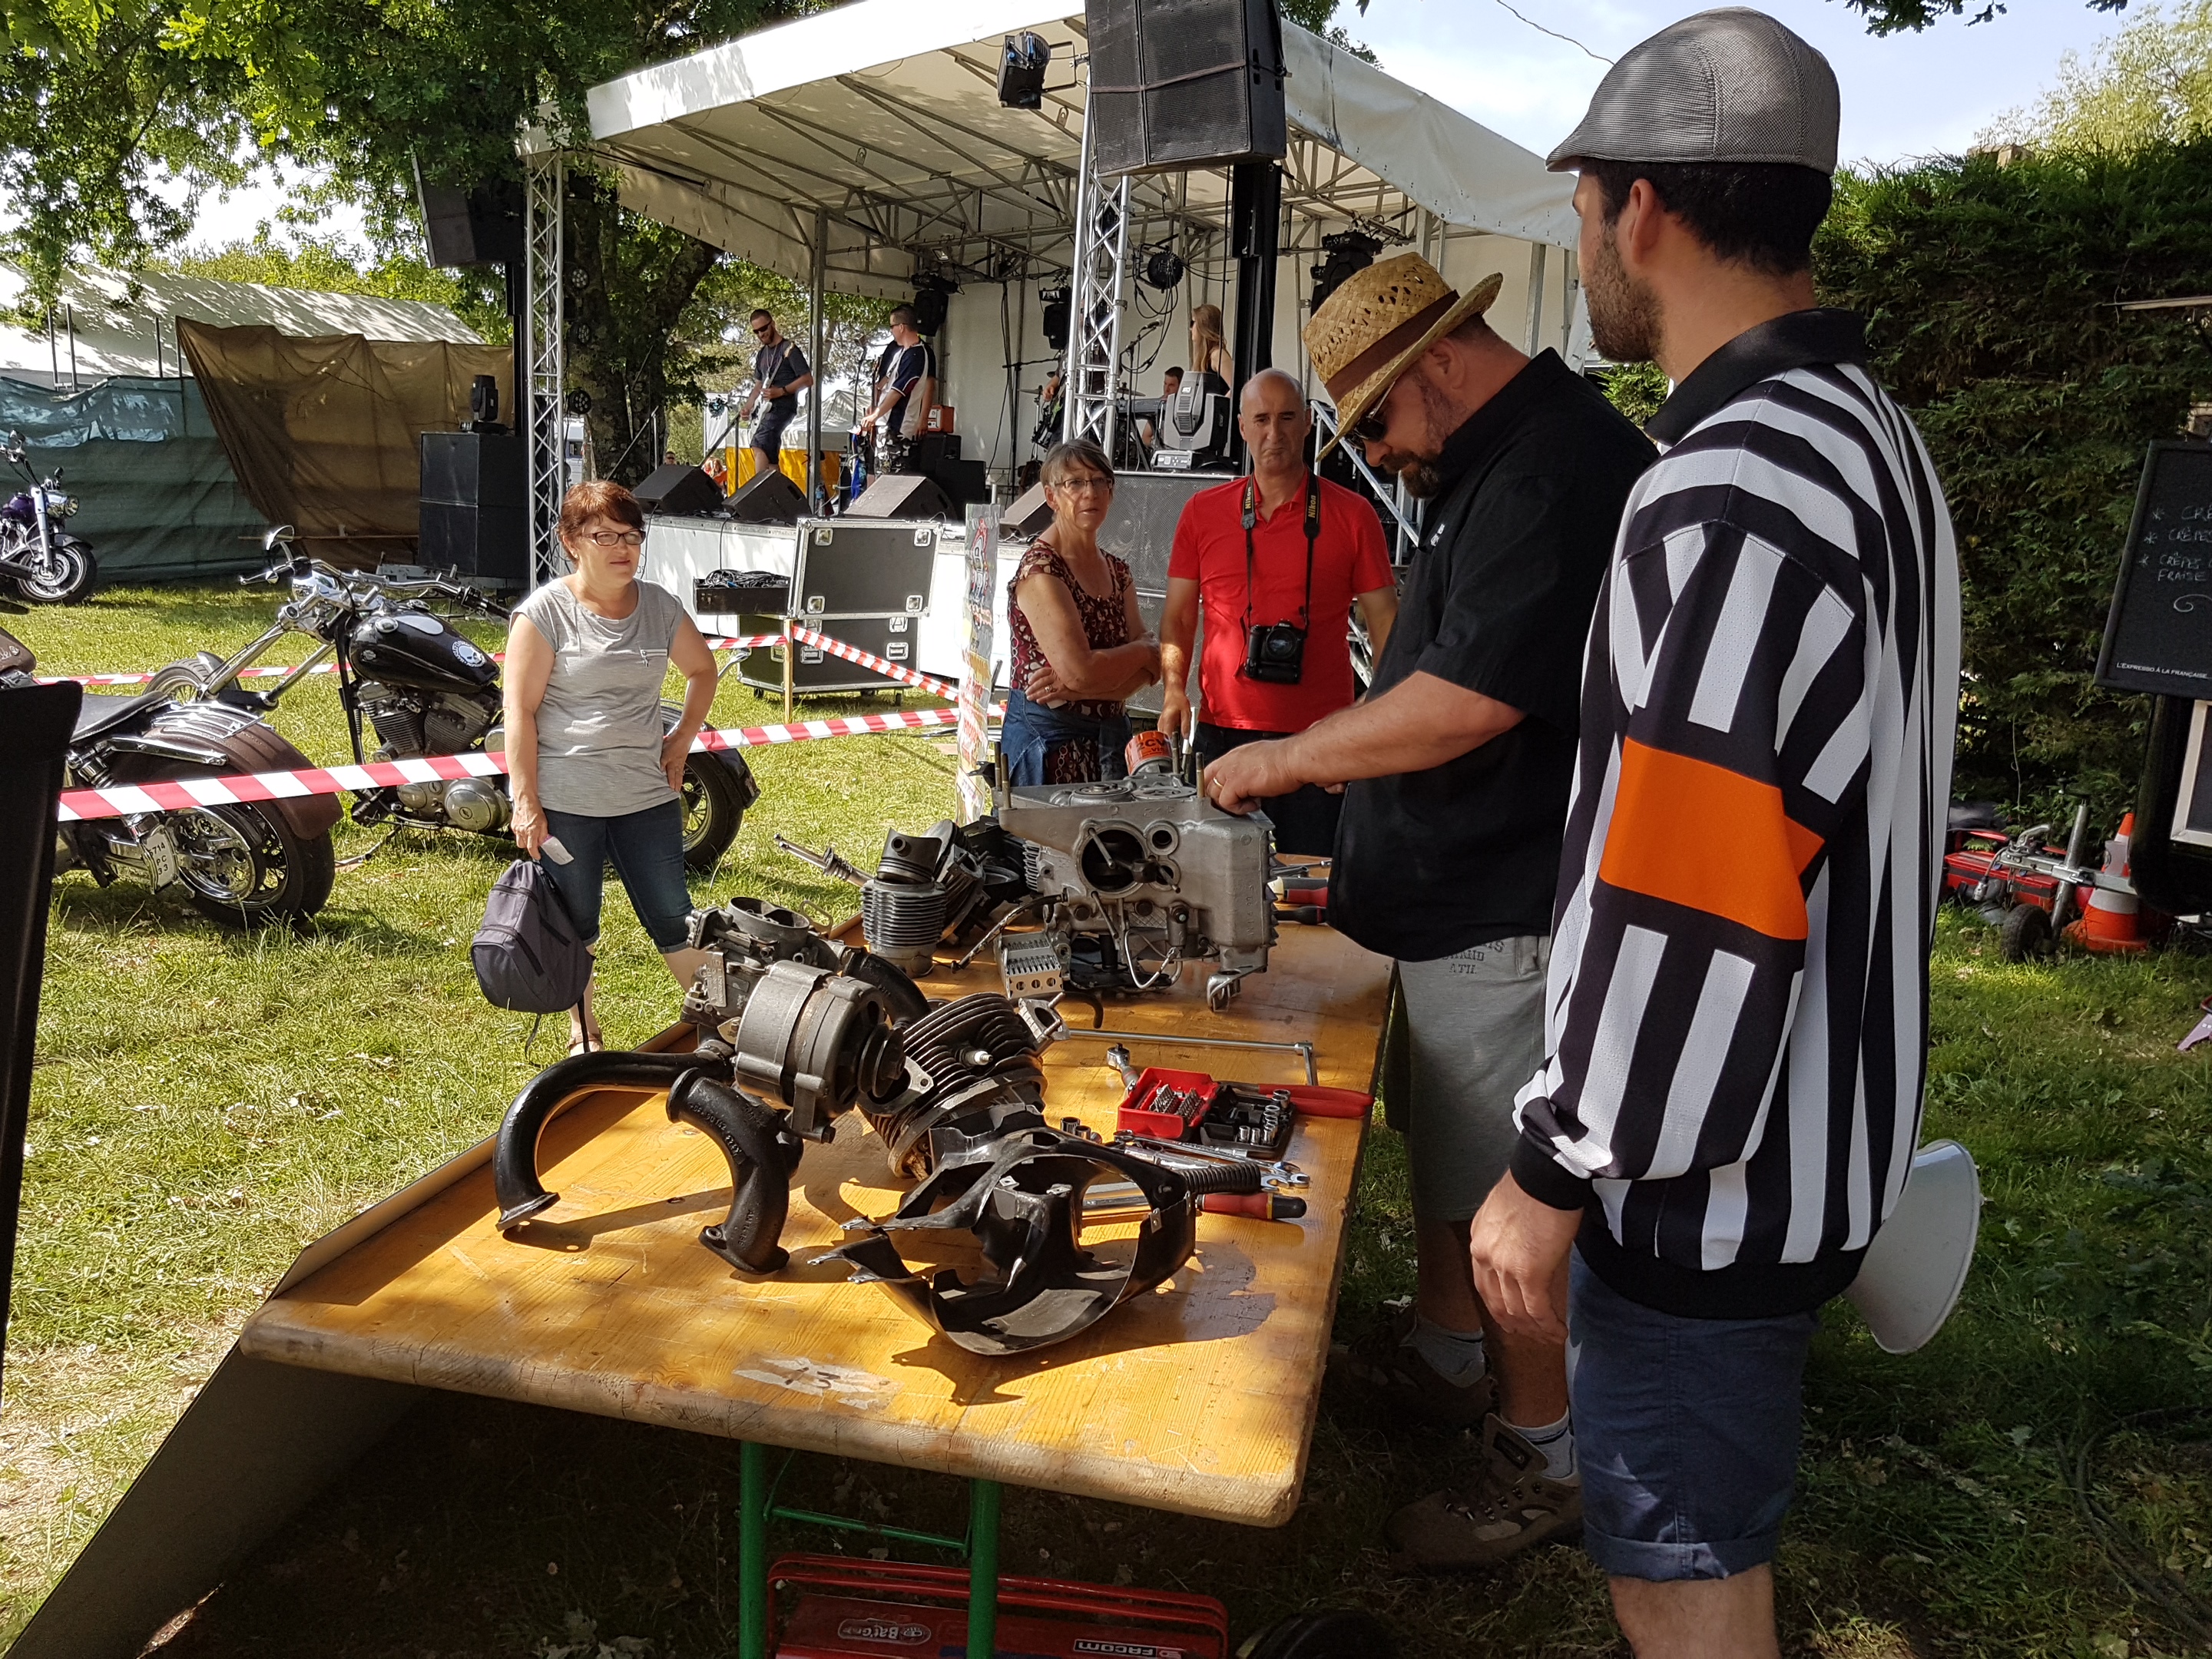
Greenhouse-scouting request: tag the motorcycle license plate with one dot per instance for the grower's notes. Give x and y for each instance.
(160, 849)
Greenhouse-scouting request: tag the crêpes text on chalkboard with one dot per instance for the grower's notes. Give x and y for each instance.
(2158, 637)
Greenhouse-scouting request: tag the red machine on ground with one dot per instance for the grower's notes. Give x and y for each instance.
(2032, 889)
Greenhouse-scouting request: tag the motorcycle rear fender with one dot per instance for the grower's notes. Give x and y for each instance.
(247, 743)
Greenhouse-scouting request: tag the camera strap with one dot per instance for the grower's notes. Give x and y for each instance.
(1313, 534)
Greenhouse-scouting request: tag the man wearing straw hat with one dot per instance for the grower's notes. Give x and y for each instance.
(1738, 1005)
(1447, 852)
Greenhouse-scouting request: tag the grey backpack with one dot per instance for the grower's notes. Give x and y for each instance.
(528, 954)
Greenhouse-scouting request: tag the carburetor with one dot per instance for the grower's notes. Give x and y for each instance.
(1134, 878)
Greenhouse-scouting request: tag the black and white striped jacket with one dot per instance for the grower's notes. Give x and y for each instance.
(1737, 1013)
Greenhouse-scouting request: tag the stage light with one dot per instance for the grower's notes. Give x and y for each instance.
(1349, 252)
(578, 402)
(1021, 70)
(1055, 317)
(1164, 268)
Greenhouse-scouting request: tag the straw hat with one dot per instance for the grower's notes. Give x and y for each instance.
(1374, 327)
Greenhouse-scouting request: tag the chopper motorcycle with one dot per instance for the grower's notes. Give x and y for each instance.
(40, 560)
(423, 688)
(244, 866)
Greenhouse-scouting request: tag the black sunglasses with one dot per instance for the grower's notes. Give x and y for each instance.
(1370, 427)
(760, 329)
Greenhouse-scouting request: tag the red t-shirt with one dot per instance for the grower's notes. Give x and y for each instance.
(1349, 559)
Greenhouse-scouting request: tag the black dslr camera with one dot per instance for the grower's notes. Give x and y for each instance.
(1276, 653)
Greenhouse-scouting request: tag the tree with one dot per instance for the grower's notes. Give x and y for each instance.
(1909, 17)
(2152, 81)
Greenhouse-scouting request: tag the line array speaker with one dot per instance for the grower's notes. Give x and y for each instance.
(1184, 83)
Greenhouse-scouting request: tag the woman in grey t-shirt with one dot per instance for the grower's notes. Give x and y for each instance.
(587, 656)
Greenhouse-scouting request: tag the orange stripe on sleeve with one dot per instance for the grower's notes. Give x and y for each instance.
(1700, 835)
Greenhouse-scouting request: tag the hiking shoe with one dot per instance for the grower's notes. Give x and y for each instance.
(1511, 1505)
(1400, 1380)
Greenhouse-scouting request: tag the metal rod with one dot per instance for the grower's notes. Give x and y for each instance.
(982, 1568)
(790, 667)
(817, 490)
(846, 1523)
(752, 1550)
(1304, 1050)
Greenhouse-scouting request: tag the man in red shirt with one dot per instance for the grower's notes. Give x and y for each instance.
(1260, 561)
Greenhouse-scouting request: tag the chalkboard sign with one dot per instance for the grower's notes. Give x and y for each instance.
(2159, 636)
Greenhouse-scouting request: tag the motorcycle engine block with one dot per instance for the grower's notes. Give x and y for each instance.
(1135, 877)
(408, 723)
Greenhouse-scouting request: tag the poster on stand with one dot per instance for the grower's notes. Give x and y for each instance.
(974, 701)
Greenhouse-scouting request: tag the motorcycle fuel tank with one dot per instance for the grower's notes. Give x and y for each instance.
(411, 647)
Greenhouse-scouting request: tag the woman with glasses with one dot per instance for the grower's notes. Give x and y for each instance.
(1080, 646)
(593, 777)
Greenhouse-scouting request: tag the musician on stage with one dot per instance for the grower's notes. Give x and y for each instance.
(781, 372)
(906, 386)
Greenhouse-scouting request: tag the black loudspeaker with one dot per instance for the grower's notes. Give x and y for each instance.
(473, 469)
(490, 542)
(678, 490)
(479, 226)
(768, 497)
(902, 495)
(1184, 83)
(1030, 513)
(1053, 319)
(1021, 70)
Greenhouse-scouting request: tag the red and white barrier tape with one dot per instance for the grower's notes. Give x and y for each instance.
(241, 788)
(876, 664)
(715, 642)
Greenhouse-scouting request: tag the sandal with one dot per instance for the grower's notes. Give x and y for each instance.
(589, 1042)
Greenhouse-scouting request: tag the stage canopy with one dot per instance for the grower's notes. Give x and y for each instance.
(884, 115)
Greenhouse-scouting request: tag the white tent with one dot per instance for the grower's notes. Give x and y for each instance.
(108, 323)
(878, 123)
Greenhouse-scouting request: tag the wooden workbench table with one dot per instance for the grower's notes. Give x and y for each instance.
(1198, 1398)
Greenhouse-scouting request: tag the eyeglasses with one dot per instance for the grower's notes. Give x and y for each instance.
(1086, 483)
(1369, 427)
(618, 538)
(760, 333)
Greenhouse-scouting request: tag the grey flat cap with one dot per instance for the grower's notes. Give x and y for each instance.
(1731, 85)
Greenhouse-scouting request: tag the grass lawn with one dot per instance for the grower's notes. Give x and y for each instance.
(206, 1103)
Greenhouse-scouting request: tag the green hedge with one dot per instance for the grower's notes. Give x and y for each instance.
(1989, 291)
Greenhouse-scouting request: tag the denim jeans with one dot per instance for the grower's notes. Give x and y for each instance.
(647, 851)
(1687, 1430)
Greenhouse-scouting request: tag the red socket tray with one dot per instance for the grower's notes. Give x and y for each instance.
(1159, 1126)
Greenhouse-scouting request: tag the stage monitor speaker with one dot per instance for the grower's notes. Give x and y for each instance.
(487, 541)
(1030, 513)
(679, 491)
(768, 497)
(1184, 83)
(902, 495)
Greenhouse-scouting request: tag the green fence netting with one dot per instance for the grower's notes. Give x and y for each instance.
(159, 499)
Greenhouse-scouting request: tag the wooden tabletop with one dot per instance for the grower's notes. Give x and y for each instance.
(1198, 1398)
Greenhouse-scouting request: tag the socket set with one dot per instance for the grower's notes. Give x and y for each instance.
(1247, 1120)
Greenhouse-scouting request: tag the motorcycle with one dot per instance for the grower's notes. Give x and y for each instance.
(39, 558)
(243, 865)
(423, 688)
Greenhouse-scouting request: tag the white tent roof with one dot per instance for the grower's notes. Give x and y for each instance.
(115, 332)
(741, 144)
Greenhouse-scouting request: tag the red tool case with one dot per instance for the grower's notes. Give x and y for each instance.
(851, 1610)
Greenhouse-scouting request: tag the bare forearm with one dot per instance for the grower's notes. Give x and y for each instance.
(1117, 671)
(698, 702)
(522, 752)
(1393, 733)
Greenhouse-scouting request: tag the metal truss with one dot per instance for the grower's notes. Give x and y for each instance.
(542, 355)
(1094, 332)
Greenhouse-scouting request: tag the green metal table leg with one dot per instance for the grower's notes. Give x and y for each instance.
(752, 1551)
(982, 1568)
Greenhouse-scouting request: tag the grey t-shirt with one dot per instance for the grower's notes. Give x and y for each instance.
(599, 727)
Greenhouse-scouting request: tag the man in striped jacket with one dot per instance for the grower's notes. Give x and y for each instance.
(1737, 1006)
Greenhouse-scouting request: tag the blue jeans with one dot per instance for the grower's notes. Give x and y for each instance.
(1687, 1430)
(647, 851)
(1031, 731)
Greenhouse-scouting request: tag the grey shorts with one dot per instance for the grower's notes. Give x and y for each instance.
(1475, 1034)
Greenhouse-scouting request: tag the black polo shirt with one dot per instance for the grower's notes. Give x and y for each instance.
(1499, 600)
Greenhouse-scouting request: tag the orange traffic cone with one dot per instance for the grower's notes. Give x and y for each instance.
(2110, 921)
